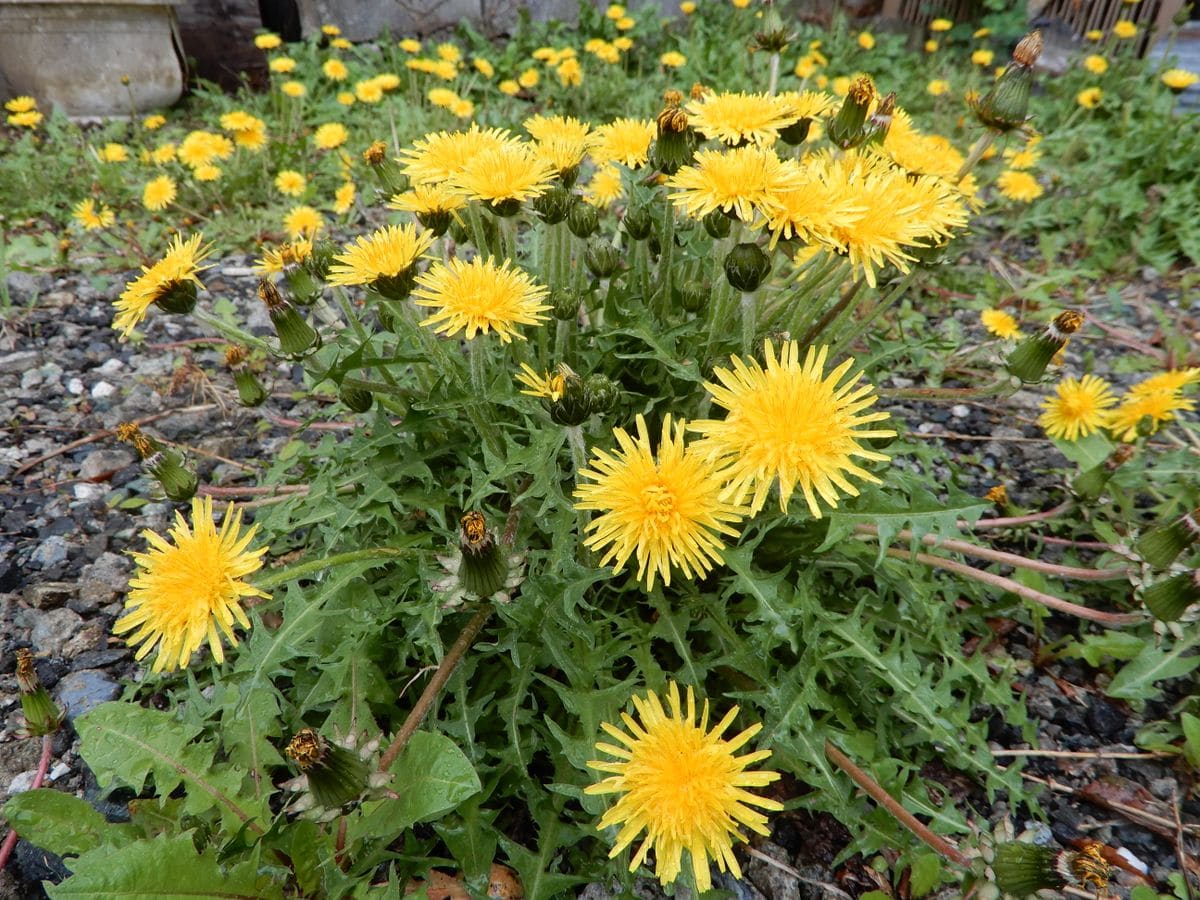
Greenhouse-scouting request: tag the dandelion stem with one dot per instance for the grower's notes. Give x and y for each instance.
(308, 567)
(233, 332)
(977, 150)
(39, 776)
(436, 683)
(578, 447)
(666, 261)
(773, 75)
(884, 304)
(749, 307)
(562, 337)
(834, 312)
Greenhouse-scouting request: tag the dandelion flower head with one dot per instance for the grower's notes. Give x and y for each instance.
(736, 118)
(188, 590)
(1000, 323)
(738, 181)
(436, 157)
(624, 141)
(1078, 408)
(478, 297)
(683, 785)
(178, 267)
(387, 253)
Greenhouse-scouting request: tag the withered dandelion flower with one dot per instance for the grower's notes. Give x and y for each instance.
(188, 591)
(478, 297)
(666, 510)
(683, 785)
(1078, 408)
(792, 422)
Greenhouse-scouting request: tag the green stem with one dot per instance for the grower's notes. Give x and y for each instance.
(666, 261)
(477, 354)
(773, 75)
(749, 307)
(562, 337)
(835, 312)
(977, 151)
(475, 223)
(232, 332)
(278, 577)
(878, 309)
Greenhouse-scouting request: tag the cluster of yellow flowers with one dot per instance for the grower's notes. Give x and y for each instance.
(1082, 406)
(23, 112)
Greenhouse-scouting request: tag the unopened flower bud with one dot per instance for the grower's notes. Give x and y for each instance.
(250, 390)
(583, 219)
(575, 404)
(296, 336)
(1168, 598)
(554, 204)
(336, 776)
(1031, 357)
(483, 570)
(177, 480)
(356, 399)
(846, 130)
(637, 222)
(694, 295)
(436, 221)
(1161, 545)
(675, 143)
(601, 257)
(746, 266)
(564, 303)
(880, 120)
(717, 224)
(602, 392)
(42, 715)
(1006, 105)
(458, 232)
(1090, 484)
(386, 169)
(504, 209)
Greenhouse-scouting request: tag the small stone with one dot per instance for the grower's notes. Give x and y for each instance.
(75, 386)
(1104, 719)
(102, 390)
(84, 690)
(49, 594)
(31, 379)
(111, 367)
(59, 771)
(88, 492)
(101, 581)
(90, 637)
(102, 464)
(16, 363)
(1164, 788)
(22, 782)
(53, 629)
(960, 411)
(50, 552)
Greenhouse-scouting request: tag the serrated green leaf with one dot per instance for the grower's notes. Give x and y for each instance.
(1095, 648)
(925, 874)
(1137, 679)
(62, 823)
(162, 869)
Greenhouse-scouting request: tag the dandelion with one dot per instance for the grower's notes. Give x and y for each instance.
(866, 40)
(509, 87)
(937, 87)
(343, 198)
(792, 422)
(941, 25)
(483, 67)
(201, 147)
(346, 98)
(410, 45)
(267, 41)
(737, 181)
(665, 510)
(91, 217)
(529, 78)
(293, 89)
(207, 172)
(931, 46)
(21, 104)
(1095, 64)
(30, 119)
(330, 135)
(1089, 98)
(1171, 380)
(735, 119)
(1124, 29)
(158, 193)
(437, 157)
(282, 65)
(291, 183)
(605, 186)
(625, 141)
(1179, 79)
(983, 57)
(687, 7)
(1019, 186)
(1078, 408)
(548, 386)
(478, 297)
(383, 260)
(113, 153)
(683, 785)
(188, 591)
(672, 59)
(503, 176)
(1001, 324)
(335, 70)
(1159, 407)
(172, 276)
(302, 221)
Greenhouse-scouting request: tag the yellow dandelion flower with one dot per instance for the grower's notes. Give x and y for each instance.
(267, 41)
(1179, 79)
(550, 386)
(920, 154)
(735, 119)
(437, 157)
(175, 272)
(548, 128)
(277, 260)
(931, 46)
(293, 89)
(188, 590)
(792, 422)
(410, 45)
(199, 148)
(529, 78)
(625, 23)
(335, 70)
(282, 65)
(1022, 159)
(738, 181)
(569, 72)
(866, 40)
(442, 97)
(740, 4)
(615, 11)
(112, 153)
(1171, 380)
(162, 155)
(509, 87)
(207, 172)
(1095, 64)
(158, 193)
(941, 25)
(478, 297)
(291, 183)
(340, 44)
(1090, 98)
(29, 119)
(1001, 324)
(91, 216)
(343, 198)
(483, 67)
(368, 91)
(625, 141)
(330, 135)
(428, 199)
(623, 43)
(665, 511)
(1019, 186)
(1094, 35)
(983, 57)
(1124, 29)
(387, 255)
(302, 221)
(813, 207)
(1128, 418)
(605, 186)
(330, 30)
(687, 7)
(346, 98)
(449, 53)
(672, 59)
(1078, 408)
(21, 104)
(937, 87)
(683, 785)
(510, 173)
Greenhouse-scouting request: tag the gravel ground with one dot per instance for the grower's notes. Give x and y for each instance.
(65, 529)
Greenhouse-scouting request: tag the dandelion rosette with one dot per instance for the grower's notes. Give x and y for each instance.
(188, 590)
(683, 785)
(792, 422)
(478, 297)
(665, 510)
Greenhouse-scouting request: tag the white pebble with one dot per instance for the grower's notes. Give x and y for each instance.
(103, 389)
(84, 490)
(75, 386)
(22, 782)
(59, 771)
(111, 367)
(960, 411)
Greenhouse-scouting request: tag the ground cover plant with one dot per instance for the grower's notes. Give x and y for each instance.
(630, 549)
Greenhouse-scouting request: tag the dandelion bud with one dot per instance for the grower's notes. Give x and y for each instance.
(675, 143)
(797, 133)
(129, 433)
(319, 258)
(436, 221)
(564, 303)
(1160, 546)
(575, 404)
(356, 399)
(773, 38)
(303, 287)
(638, 222)
(601, 257)
(602, 393)
(504, 209)
(178, 297)
(335, 775)
(42, 715)
(1090, 484)
(717, 224)
(483, 570)
(386, 170)
(458, 232)
(554, 204)
(846, 130)
(250, 390)
(881, 120)
(582, 219)
(178, 482)
(1169, 598)
(1005, 106)
(694, 295)
(1029, 360)
(295, 335)
(746, 266)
